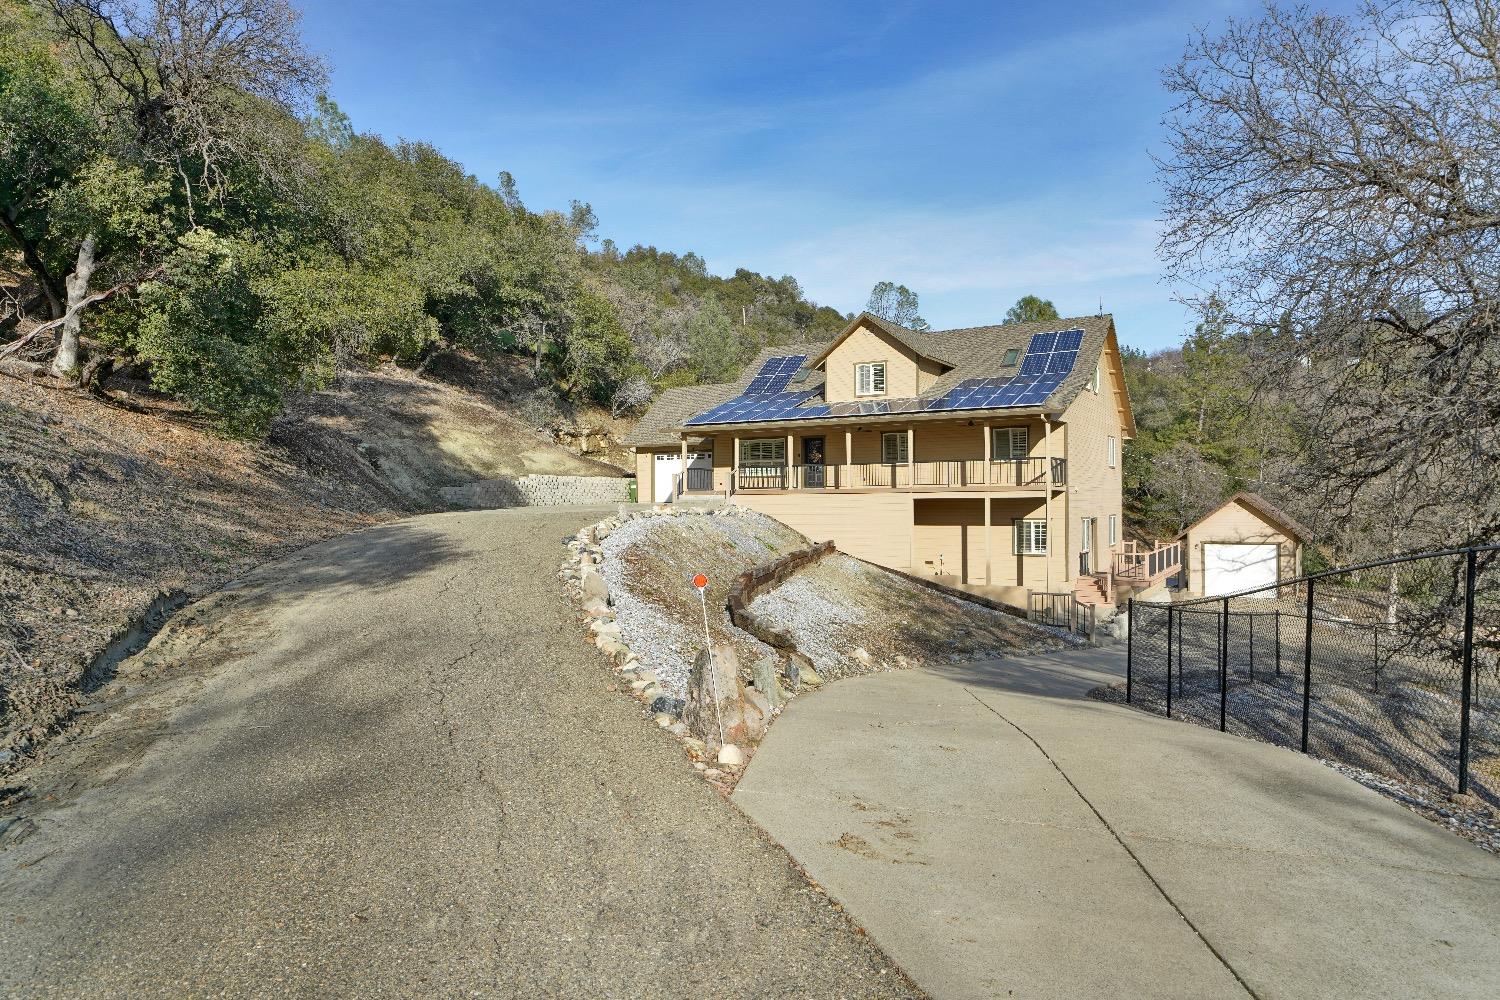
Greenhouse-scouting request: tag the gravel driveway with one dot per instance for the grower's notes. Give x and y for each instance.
(390, 766)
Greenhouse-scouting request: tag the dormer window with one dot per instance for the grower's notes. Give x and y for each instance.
(869, 378)
(1011, 357)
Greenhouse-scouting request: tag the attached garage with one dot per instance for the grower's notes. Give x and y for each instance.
(1243, 544)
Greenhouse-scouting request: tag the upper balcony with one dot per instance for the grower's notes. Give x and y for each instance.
(1024, 474)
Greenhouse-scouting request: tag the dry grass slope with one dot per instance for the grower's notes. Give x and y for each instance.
(103, 508)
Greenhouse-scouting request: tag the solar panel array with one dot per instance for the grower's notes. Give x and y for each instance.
(1049, 360)
(774, 375)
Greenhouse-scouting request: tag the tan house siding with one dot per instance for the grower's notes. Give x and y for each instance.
(865, 344)
(644, 460)
(1094, 488)
(1235, 524)
(877, 527)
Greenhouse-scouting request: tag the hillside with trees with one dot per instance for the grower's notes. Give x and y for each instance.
(182, 204)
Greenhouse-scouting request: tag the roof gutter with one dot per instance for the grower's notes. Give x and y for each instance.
(925, 416)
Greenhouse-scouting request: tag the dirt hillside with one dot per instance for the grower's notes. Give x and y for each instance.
(105, 509)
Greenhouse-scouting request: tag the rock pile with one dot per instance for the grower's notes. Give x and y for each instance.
(720, 693)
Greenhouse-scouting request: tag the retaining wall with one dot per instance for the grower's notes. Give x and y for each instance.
(755, 581)
(538, 491)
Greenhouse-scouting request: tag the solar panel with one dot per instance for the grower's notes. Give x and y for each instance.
(774, 375)
(1035, 363)
(1061, 362)
(1041, 343)
(1050, 358)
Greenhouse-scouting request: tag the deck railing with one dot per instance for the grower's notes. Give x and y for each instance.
(1137, 563)
(1018, 473)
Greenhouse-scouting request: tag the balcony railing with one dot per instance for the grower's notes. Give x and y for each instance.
(700, 480)
(1019, 473)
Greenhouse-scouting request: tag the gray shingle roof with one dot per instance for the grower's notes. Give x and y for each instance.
(968, 352)
(658, 426)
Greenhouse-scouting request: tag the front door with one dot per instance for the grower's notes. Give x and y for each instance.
(814, 462)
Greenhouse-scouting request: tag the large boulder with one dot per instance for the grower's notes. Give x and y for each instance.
(716, 710)
(594, 587)
(767, 680)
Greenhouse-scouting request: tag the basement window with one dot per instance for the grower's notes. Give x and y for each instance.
(1031, 536)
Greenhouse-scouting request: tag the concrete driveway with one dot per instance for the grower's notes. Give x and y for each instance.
(1000, 836)
(390, 766)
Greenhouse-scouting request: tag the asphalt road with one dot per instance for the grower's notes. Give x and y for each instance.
(390, 766)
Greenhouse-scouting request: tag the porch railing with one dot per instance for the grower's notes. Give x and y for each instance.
(1021, 473)
(700, 480)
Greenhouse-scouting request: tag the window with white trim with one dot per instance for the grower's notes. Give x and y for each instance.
(893, 448)
(763, 451)
(1098, 376)
(1009, 442)
(1031, 536)
(1086, 542)
(1112, 451)
(1114, 530)
(869, 378)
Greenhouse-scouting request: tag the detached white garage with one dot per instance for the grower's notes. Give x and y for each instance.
(1242, 544)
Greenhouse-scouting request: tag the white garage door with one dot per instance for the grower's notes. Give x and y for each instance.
(669, 467)
(1229, 569)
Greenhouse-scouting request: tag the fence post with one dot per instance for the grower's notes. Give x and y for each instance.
(1252, 647)
(1278, 642)
(1223, 664)
(1307, 666)
(1129, 647)
(1376, 632)
(1470, 572)
(1169, 661)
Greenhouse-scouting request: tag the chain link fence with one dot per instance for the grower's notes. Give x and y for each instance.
(1391, 667)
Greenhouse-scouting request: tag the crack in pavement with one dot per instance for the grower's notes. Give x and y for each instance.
(1224, 961)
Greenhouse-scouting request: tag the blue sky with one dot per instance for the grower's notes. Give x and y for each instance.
(971, 152)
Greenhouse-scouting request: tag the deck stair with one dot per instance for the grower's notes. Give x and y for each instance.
(1091, 589)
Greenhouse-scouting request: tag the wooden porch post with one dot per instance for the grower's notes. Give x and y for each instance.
(848, 459)
(989, 547)
(682, 476)
(989, 445)
(734, 469)
(911, 456)
(790, 471)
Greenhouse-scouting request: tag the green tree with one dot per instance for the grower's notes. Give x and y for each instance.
(1031, 309)
(896, 303)
(715, 354)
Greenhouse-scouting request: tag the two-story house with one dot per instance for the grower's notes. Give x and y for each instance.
(989, 455)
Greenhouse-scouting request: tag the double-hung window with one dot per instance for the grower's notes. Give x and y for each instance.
(893, 448)
(1114, 530)
(763, 452)
(1031, 536)
(1112, 451)
(1008, 442)
(869, 378)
